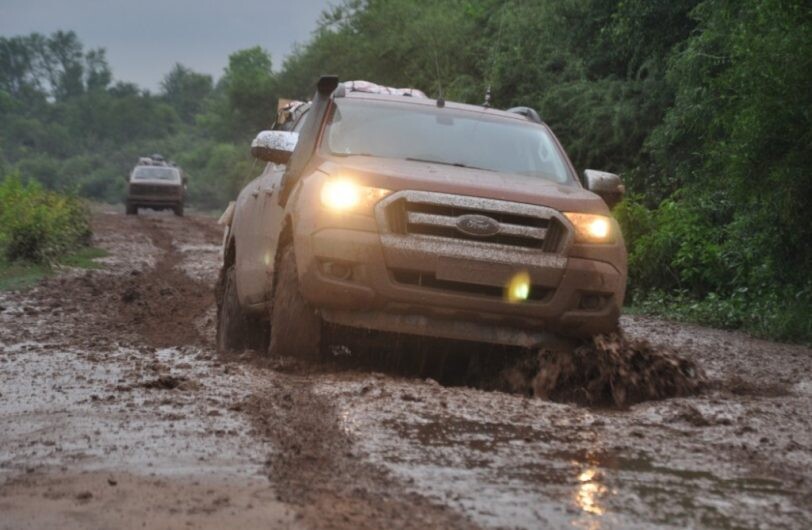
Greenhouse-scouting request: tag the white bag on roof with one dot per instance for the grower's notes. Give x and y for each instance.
(373, 88)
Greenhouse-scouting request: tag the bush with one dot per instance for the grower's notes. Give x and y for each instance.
(687, 264)
(37, 225)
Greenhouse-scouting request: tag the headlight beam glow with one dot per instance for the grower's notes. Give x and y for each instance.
(344, 195)
(591, 228)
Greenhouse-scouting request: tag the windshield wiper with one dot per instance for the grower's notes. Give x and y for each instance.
(455, 164)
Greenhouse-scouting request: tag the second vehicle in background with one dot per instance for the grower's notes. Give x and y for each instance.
(157, 184)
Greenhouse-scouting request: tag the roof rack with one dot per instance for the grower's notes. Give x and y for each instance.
(527, 112)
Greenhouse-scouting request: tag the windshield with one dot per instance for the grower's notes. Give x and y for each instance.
(444, 136)
(156, 173)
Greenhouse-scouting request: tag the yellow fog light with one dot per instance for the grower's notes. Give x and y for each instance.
(591, 228)
(344, 195)
(518, 288)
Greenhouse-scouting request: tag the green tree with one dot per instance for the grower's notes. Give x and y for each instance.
(248, 84)
(186, 91)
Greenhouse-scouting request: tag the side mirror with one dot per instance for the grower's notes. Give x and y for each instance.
(606, 185)
(274, 146)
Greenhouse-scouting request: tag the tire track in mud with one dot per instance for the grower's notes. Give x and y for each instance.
(318, 468)
(163, 303)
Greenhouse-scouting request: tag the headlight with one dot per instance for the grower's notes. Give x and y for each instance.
(346, 196)
(590, 228)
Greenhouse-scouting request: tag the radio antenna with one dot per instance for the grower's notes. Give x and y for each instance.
(439, 81)
(491, 75)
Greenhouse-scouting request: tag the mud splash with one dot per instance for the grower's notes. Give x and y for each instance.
(607, 370)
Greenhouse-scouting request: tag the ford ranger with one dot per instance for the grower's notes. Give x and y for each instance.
(387, 210)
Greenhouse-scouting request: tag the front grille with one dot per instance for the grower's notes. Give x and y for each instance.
(150, 189)
(524, 226)
(429, 280)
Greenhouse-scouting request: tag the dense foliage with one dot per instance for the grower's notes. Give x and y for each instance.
(38, 225)
(702, 105)
(66, 124)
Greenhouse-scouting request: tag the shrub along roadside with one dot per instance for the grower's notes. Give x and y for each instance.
(686, 265)
(38, 230)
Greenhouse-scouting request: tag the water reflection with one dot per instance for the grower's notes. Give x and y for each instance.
(589, 492)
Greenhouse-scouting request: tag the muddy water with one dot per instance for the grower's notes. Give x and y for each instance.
(106, 420)
(114, 407)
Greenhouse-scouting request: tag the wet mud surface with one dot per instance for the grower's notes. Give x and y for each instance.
(116, 411)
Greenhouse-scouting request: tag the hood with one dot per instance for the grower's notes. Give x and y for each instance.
(396, 174)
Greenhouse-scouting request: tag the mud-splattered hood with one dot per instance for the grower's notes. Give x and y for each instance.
(406, 174)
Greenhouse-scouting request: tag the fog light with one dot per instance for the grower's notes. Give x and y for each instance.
(339, 271)
(592, 302)
(518, 288)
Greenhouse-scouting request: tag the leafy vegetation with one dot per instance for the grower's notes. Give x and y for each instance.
(38, 225)
(702, 105)
(38, 229)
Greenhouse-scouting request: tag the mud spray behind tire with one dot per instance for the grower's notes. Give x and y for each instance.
(607, 370)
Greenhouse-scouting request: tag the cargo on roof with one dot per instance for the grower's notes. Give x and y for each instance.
(374, 88)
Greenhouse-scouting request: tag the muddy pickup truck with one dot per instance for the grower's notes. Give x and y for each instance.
(154, 183)
(386, 210)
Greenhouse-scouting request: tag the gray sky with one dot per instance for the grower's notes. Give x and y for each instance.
(144, 38)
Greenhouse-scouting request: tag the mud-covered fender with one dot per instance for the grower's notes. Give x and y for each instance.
(225, 221)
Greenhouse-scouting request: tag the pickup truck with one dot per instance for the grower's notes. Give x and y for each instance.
(154, 183)
(387, 210)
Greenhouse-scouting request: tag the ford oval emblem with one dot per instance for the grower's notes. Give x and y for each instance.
(477, 225)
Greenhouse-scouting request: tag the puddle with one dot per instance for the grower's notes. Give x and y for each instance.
(509, 461)
(123, 410)
(201, 262)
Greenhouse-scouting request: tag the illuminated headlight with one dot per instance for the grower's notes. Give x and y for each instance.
(346, 196)
(591, 228)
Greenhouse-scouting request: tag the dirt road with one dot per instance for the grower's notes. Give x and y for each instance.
(115, 411)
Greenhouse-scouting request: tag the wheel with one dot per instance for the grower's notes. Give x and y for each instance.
(132, 209)
(236, 329)
(178, 210)
(296, 327)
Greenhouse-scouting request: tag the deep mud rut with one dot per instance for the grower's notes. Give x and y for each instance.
(115, 411)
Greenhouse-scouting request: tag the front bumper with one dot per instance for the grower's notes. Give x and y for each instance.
(154, 201)
(427, 285)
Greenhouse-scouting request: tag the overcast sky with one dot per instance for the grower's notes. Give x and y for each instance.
(144, 38)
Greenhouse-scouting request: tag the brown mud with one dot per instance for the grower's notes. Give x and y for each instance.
(116, 411)
(606, 370)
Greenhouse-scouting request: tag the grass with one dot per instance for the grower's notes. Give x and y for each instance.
(780, 316)
(22, 275)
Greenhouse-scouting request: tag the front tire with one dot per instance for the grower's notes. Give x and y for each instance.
(296, 327)
(132, 209)
(178, 210)
(237, 330)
